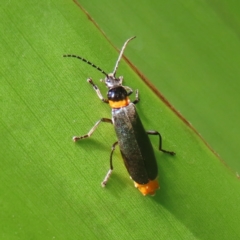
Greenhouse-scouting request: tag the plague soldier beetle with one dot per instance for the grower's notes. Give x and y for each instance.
(134, 143)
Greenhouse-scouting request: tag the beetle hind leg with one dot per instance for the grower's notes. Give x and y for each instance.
(160, 142)
(105, 180)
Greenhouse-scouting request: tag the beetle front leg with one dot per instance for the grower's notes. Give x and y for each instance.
(160, 142)
(129, 90)
(104, 182)
(137, 98)
(92, 129)
(95, 87)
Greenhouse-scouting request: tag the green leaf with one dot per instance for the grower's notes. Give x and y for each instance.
(50, 186)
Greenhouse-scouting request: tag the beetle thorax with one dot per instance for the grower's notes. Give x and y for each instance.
(118, 97)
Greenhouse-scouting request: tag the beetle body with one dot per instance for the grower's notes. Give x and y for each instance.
(135, 147)
(134, 143)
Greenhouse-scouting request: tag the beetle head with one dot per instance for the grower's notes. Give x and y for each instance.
(111, 81)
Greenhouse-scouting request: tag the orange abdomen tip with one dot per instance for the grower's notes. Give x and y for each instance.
(150, 188)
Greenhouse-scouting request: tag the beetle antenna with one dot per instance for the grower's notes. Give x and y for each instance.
(86, 61)
(121, 53)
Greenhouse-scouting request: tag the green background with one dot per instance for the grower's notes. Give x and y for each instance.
(50, 187)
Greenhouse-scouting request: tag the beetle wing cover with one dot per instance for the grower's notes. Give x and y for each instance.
(135, 146)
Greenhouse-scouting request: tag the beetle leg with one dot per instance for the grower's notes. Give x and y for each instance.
(95, 87)
(137, 98)
(160, 142)
(129, 90)
(104, 182)
(92, 129)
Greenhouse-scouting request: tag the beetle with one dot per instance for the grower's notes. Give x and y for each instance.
(134, 143)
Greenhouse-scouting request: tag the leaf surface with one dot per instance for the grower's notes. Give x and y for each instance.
(50, 186)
